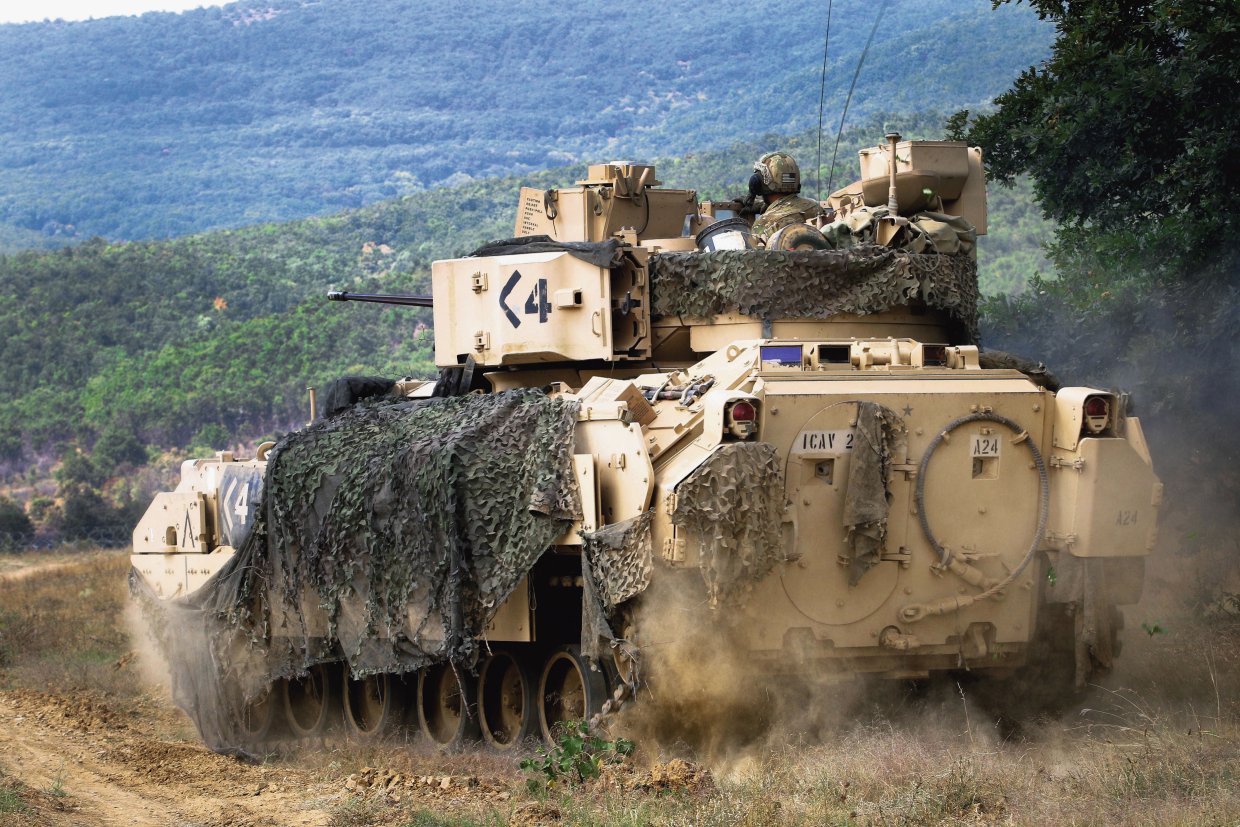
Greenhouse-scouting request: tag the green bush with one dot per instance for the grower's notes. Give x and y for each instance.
(88, 515)
(576, 755)
(117, 446)
(210, 438)
(77, 470)
(16, 529)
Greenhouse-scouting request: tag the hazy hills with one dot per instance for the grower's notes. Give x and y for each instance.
(166, 124)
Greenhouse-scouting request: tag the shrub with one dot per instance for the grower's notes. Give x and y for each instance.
(15, 527)
(576, 754)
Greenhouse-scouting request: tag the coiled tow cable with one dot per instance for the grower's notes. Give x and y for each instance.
(915, 612)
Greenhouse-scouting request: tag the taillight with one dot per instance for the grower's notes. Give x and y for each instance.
(742, 411)
(741, 419)
(1097, 414)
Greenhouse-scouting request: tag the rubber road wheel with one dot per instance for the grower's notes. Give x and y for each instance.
(312, 702)
(447, 712)
(260, 718)
(507, 712)
(568, 690)
(373, 706)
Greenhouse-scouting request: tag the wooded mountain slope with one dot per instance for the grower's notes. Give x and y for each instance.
(164, 124)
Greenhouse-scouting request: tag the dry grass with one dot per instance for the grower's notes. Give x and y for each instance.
(1160, 745)
(1120, 762)
(63, 627)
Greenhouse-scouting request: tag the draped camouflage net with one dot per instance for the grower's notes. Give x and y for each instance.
(818, 284)
(867, 500)
(732, 506)
(387, 536)
(617, 563)
(620, 559)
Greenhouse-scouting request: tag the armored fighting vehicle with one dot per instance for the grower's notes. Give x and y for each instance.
(797, 437)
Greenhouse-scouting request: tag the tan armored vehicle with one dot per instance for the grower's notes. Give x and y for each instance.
(802, 442)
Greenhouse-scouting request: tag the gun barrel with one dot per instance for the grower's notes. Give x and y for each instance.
(409, 301)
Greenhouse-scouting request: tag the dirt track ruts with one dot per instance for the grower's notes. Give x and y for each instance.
(106, 772)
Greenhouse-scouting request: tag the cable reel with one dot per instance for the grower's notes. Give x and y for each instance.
(948, 560)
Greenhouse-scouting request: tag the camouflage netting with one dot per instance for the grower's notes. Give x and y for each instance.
(341, 394)
(818, 284)
(868, 496)
(388, 535)
(617, 563)
(620, 558)
(732, 506)
(1037, 372)
(599, 253)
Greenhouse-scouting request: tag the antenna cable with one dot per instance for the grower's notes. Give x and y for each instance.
(853, 85)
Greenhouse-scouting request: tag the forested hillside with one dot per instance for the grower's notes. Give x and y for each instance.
(163, 125)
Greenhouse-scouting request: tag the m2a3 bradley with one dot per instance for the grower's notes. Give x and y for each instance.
(798, 435)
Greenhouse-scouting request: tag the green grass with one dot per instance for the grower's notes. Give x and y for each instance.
(10, 798)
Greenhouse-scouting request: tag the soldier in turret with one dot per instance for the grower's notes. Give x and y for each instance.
(777, 179)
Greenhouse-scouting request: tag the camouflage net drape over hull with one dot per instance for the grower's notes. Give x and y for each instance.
(867, 500)
(388, 536)
(732, 507)
(773, 285)
(617, 564)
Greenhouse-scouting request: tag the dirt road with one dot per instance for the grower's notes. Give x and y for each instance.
(90, 767)
(20, 566)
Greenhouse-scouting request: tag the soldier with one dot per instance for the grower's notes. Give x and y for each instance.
(778, 180)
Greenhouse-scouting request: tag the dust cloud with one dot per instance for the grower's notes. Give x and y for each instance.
(153, 668)
(702, 697)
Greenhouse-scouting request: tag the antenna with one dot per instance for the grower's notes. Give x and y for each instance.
(822, 94)
(882, 8)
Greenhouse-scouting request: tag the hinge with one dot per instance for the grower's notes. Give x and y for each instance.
(909, 471)
(1060, 462)
(478, 281)
(1058, 540)
(900, 555)
(674, 550)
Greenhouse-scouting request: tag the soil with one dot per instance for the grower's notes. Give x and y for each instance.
(104, 770)
(77, 761)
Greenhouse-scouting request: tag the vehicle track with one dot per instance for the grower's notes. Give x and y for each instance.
(106, 772)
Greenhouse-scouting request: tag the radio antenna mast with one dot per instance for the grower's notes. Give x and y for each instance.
(822, 94)
(882, 7)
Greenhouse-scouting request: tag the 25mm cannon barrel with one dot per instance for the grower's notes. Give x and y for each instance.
(408, 301)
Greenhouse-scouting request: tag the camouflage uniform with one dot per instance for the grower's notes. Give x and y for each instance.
(791, 209)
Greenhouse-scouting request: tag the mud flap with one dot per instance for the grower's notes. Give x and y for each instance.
(1095, 626)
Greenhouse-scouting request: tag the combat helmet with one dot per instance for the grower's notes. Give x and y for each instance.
(775, 173)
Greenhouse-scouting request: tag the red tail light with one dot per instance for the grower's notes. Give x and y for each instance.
(742, 411)
(1096, 406)
(1097, 415)
(740, 419)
